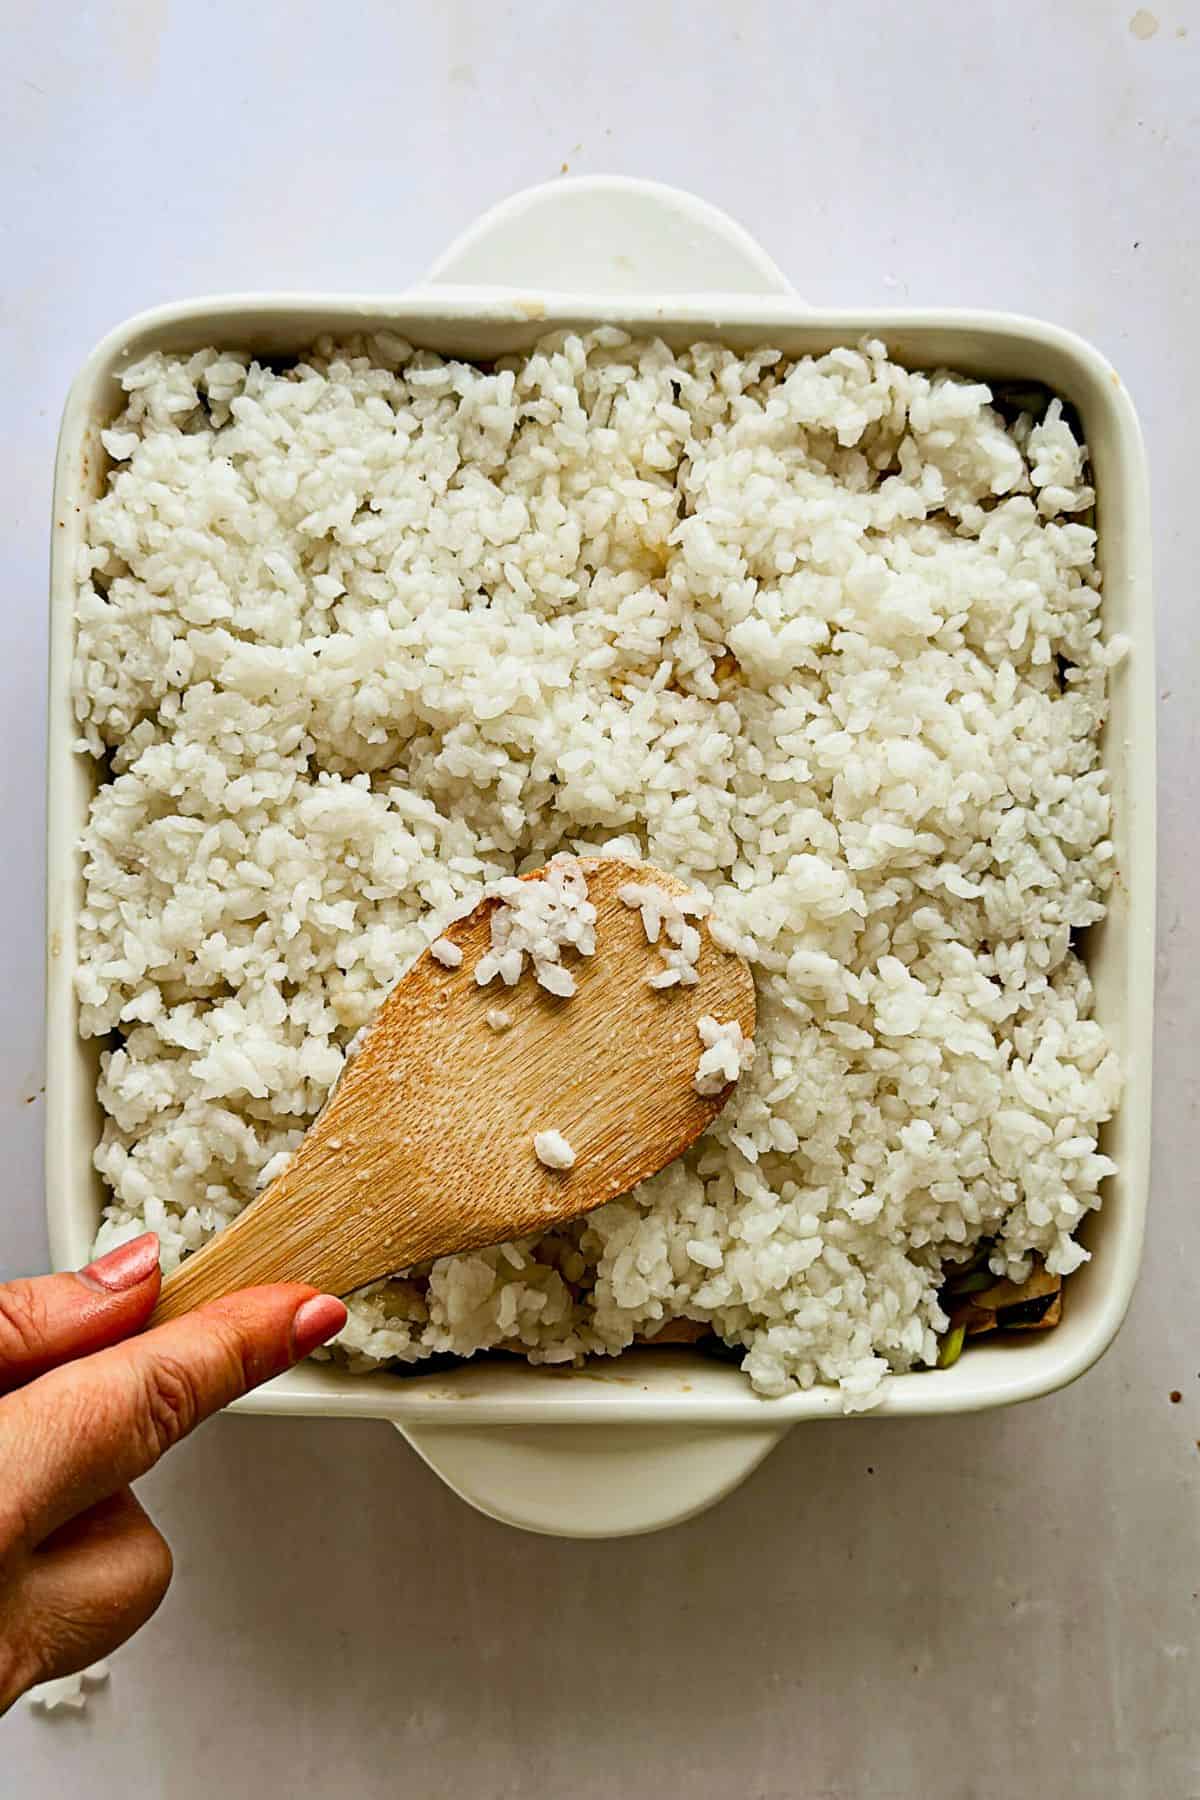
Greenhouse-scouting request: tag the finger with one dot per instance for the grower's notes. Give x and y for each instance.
(91, 1587)
(85, 1430)
(55, 1318)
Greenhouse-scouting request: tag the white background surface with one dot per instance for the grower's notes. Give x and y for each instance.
(952, 1610)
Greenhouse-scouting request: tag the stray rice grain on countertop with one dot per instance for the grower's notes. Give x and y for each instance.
(364, 634)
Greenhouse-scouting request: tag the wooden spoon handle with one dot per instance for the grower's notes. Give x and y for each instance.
(298, 1247)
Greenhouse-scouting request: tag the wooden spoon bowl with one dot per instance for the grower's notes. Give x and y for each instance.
(426, 1144)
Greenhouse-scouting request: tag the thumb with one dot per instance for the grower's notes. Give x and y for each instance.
(55, 1318)
(81, 1432)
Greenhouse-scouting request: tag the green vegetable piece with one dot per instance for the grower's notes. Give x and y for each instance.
(952, 1345)
(974, 1283)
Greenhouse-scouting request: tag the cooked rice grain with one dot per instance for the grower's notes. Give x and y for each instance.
(552, 1148)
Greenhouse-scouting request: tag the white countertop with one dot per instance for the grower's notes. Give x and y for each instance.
(937, 1610)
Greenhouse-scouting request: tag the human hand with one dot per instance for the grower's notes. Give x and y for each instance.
(83, 1414)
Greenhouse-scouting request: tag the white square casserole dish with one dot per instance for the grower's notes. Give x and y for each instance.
(648, 1439)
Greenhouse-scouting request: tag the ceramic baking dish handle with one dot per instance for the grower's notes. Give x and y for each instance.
(592, 1481)
(608, 234)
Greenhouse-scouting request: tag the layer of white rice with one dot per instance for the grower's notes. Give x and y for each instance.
(360, 635)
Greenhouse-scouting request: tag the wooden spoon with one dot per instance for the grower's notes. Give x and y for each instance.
(426, 1145)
